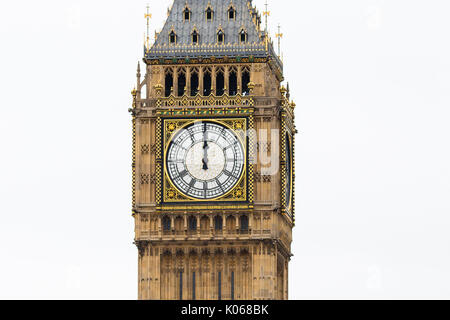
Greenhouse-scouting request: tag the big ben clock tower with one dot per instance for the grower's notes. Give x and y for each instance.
(213, 158)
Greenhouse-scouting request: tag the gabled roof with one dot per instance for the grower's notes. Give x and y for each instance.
(247, 18)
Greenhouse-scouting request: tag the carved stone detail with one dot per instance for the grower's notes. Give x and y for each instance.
(145, 149)
(145, 178)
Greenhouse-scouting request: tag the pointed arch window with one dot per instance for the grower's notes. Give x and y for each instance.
(233, 81)
(220, 82)
(243, 36)
(231, 13)
(220, 37)
(244, 223)
(218, 223)
(209, 14)
(195, 37)
(194, 82)
(181, 82)
(168, 83)
(172, 37)
(245, 80)
(207, 82)
(192, 223)
(166, 224)
(186, 14)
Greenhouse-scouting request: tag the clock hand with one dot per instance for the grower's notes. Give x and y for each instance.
(205, 148)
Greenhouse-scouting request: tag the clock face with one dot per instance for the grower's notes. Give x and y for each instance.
(288, 171)
(205, 160)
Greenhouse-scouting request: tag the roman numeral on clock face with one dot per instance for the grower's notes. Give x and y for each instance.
(183, 173)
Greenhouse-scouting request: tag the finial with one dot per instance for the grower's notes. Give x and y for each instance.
(266, 14)
(279, 35)
(148, 16)
(138, 75)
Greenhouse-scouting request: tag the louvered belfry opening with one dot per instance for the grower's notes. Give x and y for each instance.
(220, 83)
(168, 83)
(245, 82)
(181, 82)
(194, 83)
(207, 82)
(233, 80)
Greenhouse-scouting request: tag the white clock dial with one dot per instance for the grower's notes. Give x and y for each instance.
(205, 160)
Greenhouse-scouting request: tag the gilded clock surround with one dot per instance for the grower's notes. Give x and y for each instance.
(250, 249)
(171, 194)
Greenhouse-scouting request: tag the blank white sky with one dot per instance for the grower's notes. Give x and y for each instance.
(371, 80)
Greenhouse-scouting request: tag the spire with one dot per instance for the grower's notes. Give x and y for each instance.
(138, 79)
(148, 16)
(266, 14)
(288, 92)
(279, 35)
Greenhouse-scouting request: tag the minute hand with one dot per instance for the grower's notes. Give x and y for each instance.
(205, 152)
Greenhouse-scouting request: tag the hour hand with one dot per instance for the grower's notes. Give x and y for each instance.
(205, 156)
(205, 163)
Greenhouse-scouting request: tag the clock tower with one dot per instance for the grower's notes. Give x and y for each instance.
(213, 158)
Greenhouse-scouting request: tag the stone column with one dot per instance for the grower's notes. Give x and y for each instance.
(188, 81)
(239, 76)
(213, 80)
(175, 81)
(200, 80)
(198, 224)
(227, 80)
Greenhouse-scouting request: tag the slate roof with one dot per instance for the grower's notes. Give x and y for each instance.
(246, 15)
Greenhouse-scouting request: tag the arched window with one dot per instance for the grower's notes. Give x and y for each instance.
(220, 37)
(220, 83)
(181, 82)
(245, 81)
(231, 14)
(195, 37)
(209, 14)
(244, 223)
(192, 223)
(166, 224)
(233, 82)
(218, 223)
(168, 83)
(194, 83)
(172, 37)
(207, 82)
(243, 36)
(187, 14)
